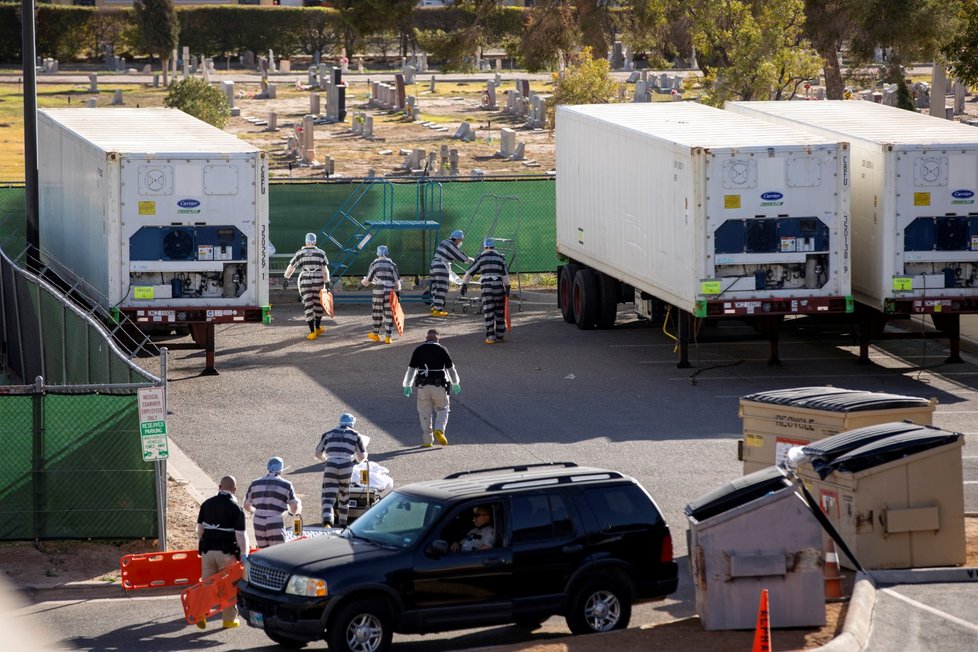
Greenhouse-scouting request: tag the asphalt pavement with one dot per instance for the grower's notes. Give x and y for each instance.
(552, 392)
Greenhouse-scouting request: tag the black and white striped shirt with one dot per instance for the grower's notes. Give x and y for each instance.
(310, 261)
(270, 493)
(448, 251)
(383, 273)
(340, 445)
(490, 264)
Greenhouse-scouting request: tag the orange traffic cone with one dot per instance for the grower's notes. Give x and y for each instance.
(833, 578)
(762, 633)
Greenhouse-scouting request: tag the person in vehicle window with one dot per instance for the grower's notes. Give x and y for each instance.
(482, 536)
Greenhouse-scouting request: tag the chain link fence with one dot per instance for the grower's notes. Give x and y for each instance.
(71, 466)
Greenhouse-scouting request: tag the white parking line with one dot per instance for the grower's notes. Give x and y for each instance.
(932, 610)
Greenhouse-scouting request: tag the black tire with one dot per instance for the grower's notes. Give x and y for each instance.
(599, 605)
(586, 299)
(285, 641)
(608, 306)
(361, 626)
(565, 291)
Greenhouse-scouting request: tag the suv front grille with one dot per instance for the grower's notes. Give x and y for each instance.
(266, 577)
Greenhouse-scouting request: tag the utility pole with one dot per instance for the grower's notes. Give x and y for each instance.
(30, 135)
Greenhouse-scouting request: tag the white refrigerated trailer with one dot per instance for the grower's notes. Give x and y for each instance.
(914, 215)
(711, 213)
(160, 216)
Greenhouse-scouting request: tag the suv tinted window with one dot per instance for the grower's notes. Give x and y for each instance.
(540, 517)
(622, 507)
(397, 520)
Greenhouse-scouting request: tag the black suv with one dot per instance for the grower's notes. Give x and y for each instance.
(583, 542)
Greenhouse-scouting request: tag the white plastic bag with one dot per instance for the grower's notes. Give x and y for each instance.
(380, 478)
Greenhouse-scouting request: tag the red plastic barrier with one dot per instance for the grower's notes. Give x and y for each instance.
(212, 595)
(156, 569)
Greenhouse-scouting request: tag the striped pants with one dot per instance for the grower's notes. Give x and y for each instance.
(493, 307)
(336, 491)
(439, 284)
(380, 309)
(268, 528)
(309, 287)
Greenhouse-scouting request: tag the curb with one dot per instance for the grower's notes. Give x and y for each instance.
(859, 618)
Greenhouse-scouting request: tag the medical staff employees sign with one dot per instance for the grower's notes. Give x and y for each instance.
(152, 423)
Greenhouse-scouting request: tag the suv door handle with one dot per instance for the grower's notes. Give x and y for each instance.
(494, 561)
(573, 548)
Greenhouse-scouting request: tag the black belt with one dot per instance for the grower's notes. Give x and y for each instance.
(438, 383)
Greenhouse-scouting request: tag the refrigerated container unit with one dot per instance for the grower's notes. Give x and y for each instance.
(163, 217)
(714, 214)
(914, 218)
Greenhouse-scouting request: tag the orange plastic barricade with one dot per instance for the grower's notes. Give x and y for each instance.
(509, 326)
(326, 298)
(398, 314)
(212, 594)
(156, 569)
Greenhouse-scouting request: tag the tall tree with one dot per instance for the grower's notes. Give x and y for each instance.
(158, 28)
(828, 25)
(961, 51)
(750, 49)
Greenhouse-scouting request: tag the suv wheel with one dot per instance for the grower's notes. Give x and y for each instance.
(599, 605)
(361, 626)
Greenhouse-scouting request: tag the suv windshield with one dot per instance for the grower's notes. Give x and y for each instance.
(397, 520)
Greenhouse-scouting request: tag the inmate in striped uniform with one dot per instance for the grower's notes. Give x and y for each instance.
(382, 273)
(338, 447)
(446, 252)
(270, 496)
(491, 265)
(312, 264)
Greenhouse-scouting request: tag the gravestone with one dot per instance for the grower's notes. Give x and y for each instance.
(368, 126)
(186, 61)
(314, 103)
(173, 62)
(641, 93)
(360, 65)
(464, 132)
(117, 98)
(453, 162)
(156, 80)
(431, 85)
(308, 139)
(507, 143)
(399, 83)
(489, 100)
(618, 56)
(284, 65)
(147, 69)
(93, 83)
(92, 103)
(271, 61)
(272, 121)
(271, 92)
(228, 88)
(632, 78)
(524, 87)
(960, 91)
(519, 152)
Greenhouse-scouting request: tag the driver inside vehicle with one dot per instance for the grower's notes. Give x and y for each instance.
(482, 536)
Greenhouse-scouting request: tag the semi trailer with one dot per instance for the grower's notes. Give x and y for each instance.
(700, 210)
(161, 217)
(914, 219)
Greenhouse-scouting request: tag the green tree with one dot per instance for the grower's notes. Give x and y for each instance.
(961, 51)
(750, 50)
(198, 98)
(159, 29)
(586, 81)
(456, 48)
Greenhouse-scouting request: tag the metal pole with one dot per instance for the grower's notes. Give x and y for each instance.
(30, 135)
(161, 464)
(37, 460)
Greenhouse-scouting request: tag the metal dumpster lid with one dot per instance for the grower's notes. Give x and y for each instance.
(845, 442)
(836, 399)
(893, 448)
(738, 492)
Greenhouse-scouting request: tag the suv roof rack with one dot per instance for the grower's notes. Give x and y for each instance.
(521, 467)
(540, 481)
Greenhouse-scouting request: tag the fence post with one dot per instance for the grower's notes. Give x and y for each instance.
(37, 458)
(161, 464)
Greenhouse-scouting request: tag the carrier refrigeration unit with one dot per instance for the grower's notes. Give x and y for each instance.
(162, 217)
(914, 219)
(711, 213)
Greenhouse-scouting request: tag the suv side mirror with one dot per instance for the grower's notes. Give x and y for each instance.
(438, 548)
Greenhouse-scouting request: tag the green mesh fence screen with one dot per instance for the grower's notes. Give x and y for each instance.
(72, 468)
(519, 213)
(13, 223)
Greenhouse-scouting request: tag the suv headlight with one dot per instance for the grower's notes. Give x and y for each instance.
(308, 586)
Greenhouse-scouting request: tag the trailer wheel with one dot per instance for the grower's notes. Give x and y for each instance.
(586, 299)
(565, 291)
(608, 290)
